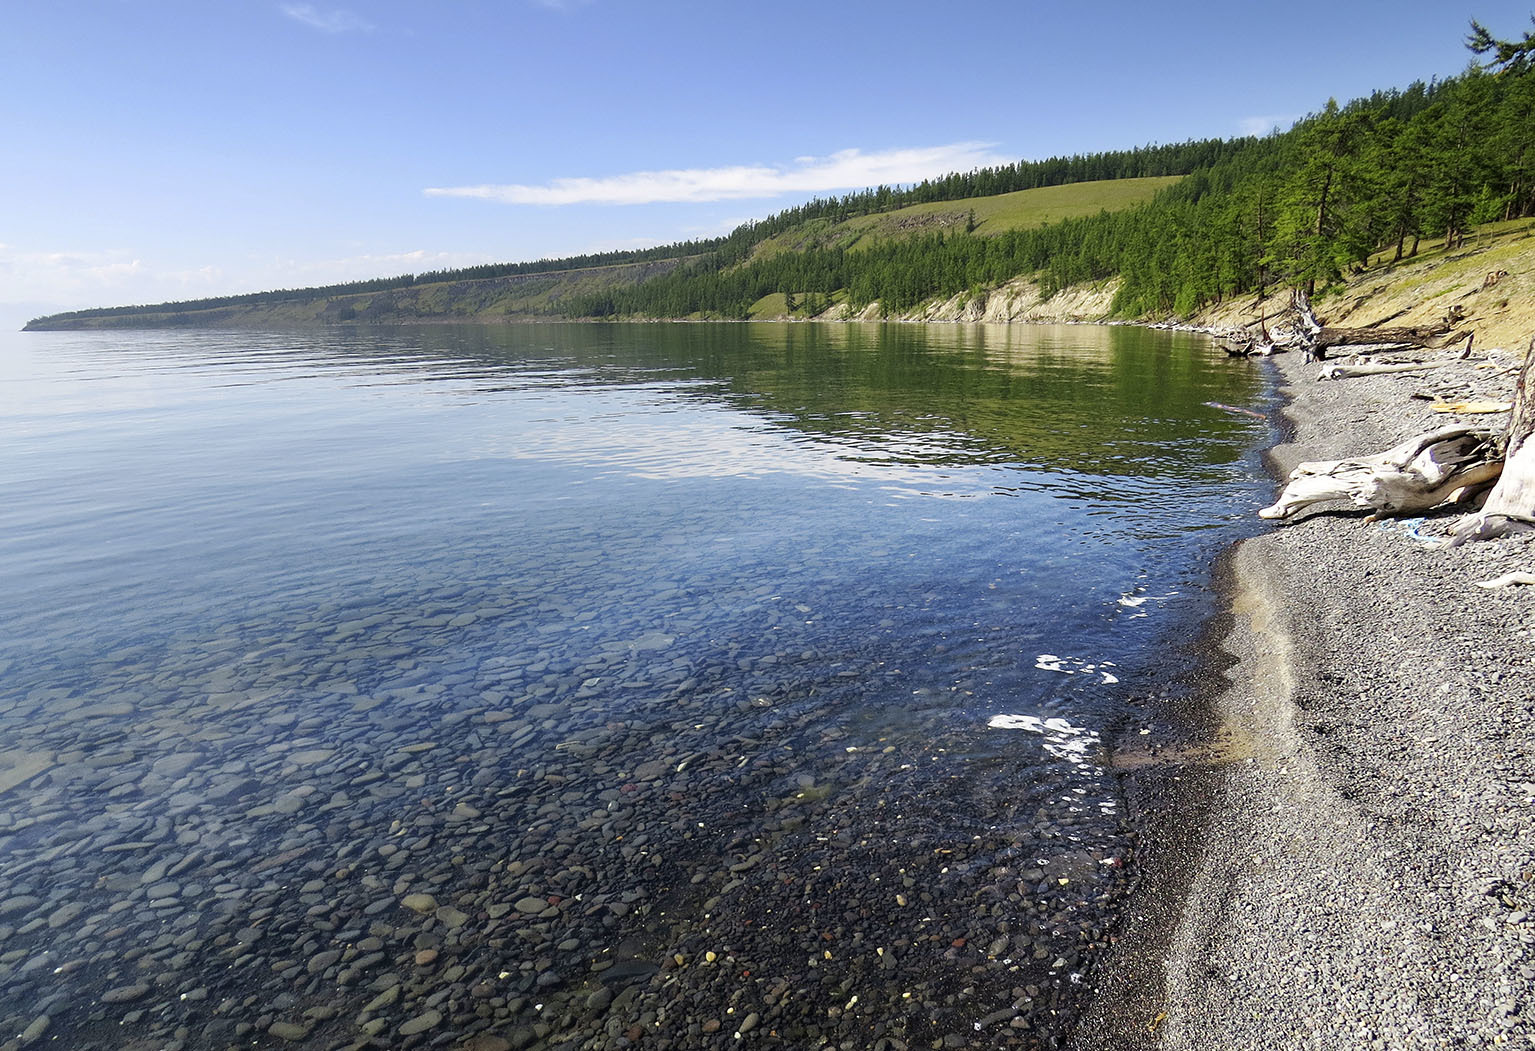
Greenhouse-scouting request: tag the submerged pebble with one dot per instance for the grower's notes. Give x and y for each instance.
(750, 783)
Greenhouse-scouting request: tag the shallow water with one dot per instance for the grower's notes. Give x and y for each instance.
(587, 685)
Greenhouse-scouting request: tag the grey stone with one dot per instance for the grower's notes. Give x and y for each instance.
(124, 994)
(65, 914)
(421, 1023)
(290, 1031)
(451, 916)
(34, 1032)
(320, 961)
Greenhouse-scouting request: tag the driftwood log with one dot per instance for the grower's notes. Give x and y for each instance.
(1317, 340)
(1421, 473)
(1414, 338)
(1336, 371)
(1510, 507)
(1455, 463)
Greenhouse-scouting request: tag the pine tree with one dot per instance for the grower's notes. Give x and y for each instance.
(1318, 230)
(1458, 130)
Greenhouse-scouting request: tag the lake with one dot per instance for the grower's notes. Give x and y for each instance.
(590, 686)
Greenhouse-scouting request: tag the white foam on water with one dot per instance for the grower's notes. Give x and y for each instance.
(1135, 599)
(1075, 666)
(1075, 744)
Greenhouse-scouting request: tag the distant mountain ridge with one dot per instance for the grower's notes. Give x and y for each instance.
(1170, 231)
(329, 304)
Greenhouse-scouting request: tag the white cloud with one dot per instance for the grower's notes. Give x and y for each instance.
(39, 273)
(843, 170)
(71, 280)
(1261, 126)
(336, 20)
(293, 272)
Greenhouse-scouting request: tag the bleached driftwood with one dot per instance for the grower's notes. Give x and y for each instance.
(1474, 407)
(1338, 372)
(1317, 340)
(1330, 338)
(1415, 476)
(1510, 507)
(1508, 580)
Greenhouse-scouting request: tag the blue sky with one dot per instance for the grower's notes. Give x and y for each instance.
(160, 149)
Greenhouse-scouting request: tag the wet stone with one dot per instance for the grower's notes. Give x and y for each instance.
(105, 710)
(487, 1042)
(123, 994)
(475, 806)
(291, 802)
(450, 916)
(382, 1000)
(65, 914)
(18, 903)
(320, 961)
(174, 765)
(421, 1023)
(290, 1031)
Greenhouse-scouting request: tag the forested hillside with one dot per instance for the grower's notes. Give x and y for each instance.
(362, 300)
(1300, 208)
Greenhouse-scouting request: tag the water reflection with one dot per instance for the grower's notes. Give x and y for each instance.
(573, 685)
(1094, 400)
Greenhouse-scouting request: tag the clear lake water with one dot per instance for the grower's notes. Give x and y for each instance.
(578, 686)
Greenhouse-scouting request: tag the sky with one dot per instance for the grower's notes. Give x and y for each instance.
(173, 149)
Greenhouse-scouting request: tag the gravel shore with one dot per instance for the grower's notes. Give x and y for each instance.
(1361, 867)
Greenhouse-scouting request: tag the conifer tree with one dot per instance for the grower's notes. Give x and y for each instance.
(1318, 231)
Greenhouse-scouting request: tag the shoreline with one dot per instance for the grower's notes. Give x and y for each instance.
(1350, 862)
(1307, 878)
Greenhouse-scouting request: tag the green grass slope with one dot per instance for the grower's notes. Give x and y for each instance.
(1020, 210)
(536, 296)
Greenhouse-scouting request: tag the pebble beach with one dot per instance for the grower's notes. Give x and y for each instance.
(1327, 842)
(1351, 861)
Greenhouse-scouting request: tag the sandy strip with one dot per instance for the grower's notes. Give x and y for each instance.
(1358, 869)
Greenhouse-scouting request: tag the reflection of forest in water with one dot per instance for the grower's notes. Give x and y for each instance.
(1106, 400)
(1073, 399)
(704, 622)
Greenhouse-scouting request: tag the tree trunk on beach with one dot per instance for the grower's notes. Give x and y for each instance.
(1423, 472)
(1316, 339)
(1338, 372)
(1510, 507)
(1413, 336)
